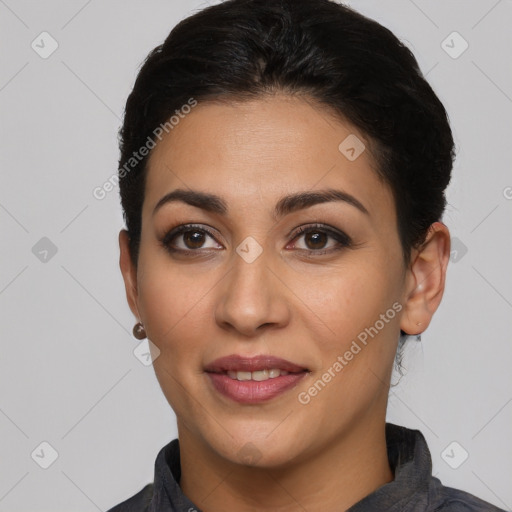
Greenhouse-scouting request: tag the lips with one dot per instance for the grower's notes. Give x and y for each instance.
(238, 363)
(251, 380)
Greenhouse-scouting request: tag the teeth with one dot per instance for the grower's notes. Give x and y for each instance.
(258, 375)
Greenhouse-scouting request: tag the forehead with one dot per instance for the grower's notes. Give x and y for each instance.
(258, 150)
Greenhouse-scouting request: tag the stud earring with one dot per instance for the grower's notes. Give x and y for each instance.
(138, 331)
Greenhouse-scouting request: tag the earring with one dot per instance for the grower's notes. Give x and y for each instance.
(138, 331)
(418, 336)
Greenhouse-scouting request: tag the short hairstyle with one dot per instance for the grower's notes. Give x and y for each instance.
(322, 50)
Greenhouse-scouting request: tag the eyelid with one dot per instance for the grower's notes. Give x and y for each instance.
(176, 231)
(332, 232)
(343, 241)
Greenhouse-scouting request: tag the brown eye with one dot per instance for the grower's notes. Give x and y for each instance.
(316, 239)
(193, 239)
(188, 238)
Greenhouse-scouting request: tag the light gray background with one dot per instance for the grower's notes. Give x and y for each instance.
(68, 375)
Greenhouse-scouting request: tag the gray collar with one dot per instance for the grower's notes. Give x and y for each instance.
(413, 489)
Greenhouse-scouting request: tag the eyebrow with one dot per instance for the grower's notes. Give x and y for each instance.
(286, 205)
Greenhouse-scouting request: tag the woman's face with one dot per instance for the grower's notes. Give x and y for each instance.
(243, 282)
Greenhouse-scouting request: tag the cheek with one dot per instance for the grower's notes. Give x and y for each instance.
(174, 307)
(362, 329)
(347, 300)
(356, 340)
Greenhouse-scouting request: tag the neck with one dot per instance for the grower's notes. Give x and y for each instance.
(334, 477)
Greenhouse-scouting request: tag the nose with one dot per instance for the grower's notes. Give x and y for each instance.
(252, 298)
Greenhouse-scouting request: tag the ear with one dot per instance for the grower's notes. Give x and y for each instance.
(425, 279)
(129, 272)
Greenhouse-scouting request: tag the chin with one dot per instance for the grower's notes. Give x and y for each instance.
(254, 447)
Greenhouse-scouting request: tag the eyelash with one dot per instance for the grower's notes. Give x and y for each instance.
(344, 240)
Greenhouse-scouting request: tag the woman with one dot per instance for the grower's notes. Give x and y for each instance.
(282, 175)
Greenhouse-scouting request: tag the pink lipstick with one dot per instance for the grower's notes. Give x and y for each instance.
(252, 380)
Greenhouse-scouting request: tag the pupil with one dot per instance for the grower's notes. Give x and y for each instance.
(194, 239)
(316, 238)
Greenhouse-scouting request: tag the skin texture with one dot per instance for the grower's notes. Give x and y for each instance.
(306, 308)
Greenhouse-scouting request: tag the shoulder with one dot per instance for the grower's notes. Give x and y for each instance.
(449, 499)
(137, 503)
